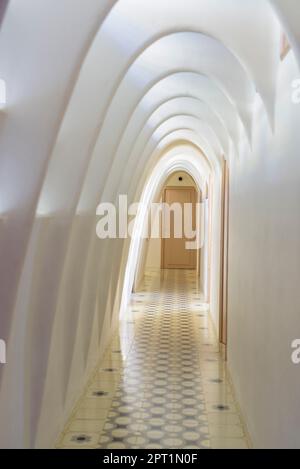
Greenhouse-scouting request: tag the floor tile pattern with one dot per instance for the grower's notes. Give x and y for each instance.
(162, 382)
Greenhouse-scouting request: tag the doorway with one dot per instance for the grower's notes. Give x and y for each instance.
(175, 254)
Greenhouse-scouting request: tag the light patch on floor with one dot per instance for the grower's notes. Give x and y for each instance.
(163, 382)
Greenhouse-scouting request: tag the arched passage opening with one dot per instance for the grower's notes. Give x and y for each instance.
(166, 249)
(196, 167)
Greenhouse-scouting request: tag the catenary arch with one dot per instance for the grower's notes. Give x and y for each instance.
(112, 252)
(64, 186)
(110, 21)
(174, 151)
(197, 86)
(195, 143)
(247, 17)
(176, 143)
(146, 141)
(193, 106)
(190, 135)
(88, 279)
(63, 181)
(236, 5)
(128, 140)
(109, 257)
(167, 165)
(99, 150)
(58, 273)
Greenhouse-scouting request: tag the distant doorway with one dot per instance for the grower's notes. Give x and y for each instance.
(174, 254)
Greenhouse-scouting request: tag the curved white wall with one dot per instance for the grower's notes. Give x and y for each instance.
(264, 272)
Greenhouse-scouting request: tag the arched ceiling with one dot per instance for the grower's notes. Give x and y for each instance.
(149, 67)
(106, 95)
(182, 157)
(195, 44)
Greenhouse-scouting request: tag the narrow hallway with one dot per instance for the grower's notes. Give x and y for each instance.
(162, 382)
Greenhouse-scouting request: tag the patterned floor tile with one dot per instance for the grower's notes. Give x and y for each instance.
(162, 382)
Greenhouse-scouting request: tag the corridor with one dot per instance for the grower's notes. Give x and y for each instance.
(162, 382)
(135, 136)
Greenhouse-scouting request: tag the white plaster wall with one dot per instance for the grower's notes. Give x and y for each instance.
(154, 254)
(204, 252)
(187, 180)
(215, 249)
(264, 272)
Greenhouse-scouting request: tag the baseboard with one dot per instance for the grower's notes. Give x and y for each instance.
(240, 410)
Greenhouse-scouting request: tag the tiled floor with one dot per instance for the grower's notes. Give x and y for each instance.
(162, 383)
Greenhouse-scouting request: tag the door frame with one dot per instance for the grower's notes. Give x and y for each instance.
(224, 247)
(209, 238)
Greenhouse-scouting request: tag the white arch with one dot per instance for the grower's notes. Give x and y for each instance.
(167, 165)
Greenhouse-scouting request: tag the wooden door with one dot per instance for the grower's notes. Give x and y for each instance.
(175, 255)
